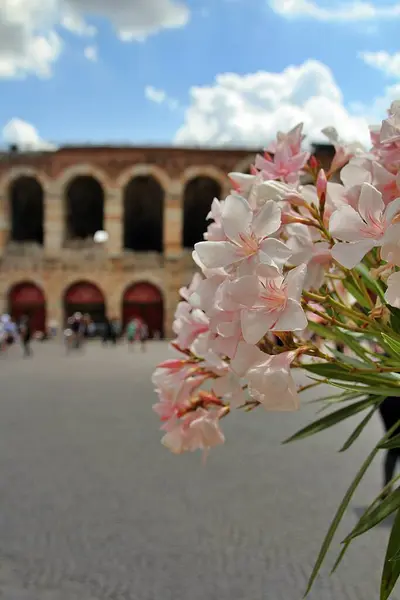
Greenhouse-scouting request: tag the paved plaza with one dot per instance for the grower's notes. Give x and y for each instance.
(92, 507)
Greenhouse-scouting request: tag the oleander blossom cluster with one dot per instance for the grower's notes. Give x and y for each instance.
(278, 258)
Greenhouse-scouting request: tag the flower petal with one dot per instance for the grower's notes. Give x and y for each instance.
(268, 220)
(370, 204)
(292, 318)
(392, 209)
(392, 295)
(350, 255)
(256, 323)
(346, 224)
(295, 282)
(275, 250)
(217, 254)
(236, 217)
(245, 290)
(246, 356)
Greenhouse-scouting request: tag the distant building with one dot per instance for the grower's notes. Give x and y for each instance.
(151, 201)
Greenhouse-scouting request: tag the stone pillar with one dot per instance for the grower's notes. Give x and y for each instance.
(5, 220)
(54, 220)
(173, 221)
(113, 220)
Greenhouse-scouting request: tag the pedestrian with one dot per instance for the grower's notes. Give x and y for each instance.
(131, 331)
(144, 334)
(25, 334)
(107, 330)
(389, 410)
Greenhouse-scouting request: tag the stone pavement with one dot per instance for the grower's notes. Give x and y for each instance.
(92, 507)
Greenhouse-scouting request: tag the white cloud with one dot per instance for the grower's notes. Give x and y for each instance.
(248, 110)
(133, 19)
(29, 42)
(160, 97)
(389, 64)
(154, 94)
(90, 53)
(24, 135)
(353, 11)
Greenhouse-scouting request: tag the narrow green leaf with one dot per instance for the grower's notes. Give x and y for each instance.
(370, 282)
(331, 419)
(354, 291)
(369, 390)
(340, 557)
(373, 517)
(392, 343)
(340, 372)
(336, 334)
(391, 568)
(394, 442)
(338, 517)
(360, 427)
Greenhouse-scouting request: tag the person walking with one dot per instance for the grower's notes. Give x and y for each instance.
(389, 411)
(25, 334)
(143, 334)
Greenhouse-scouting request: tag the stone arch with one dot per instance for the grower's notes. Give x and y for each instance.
(199, 193)
(23, 171)
(144, 300)
(26, 209)
(144, 170)
(82, 169)
(143, 199)
(207, 171)
(86, 297)
(84, 198)
(27, 298)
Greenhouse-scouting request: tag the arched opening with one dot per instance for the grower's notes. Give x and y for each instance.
(26, 298)
(143, 215)
(144, 300)
(199, 194)
(85, 208)
(26, 208)
(85, 297)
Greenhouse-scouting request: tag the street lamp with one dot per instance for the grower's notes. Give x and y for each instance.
(100, 237)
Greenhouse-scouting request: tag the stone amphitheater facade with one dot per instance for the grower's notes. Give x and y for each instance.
(56, 263)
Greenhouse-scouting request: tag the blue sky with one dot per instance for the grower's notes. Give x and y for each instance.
(105, 100)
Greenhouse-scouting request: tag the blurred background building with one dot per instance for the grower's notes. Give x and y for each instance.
(152, 202)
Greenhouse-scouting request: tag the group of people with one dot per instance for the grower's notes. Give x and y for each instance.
(81, 326)
(12, 332)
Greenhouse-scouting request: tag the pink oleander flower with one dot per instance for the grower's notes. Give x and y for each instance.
(315, 253)
(284, 165)
(270, 304)
(186, 292)
(363, 230)
(270, 382)
(189, 323)
(293, 139)
(215, 230)
(386, 182)
(196, 430)
(335, 197)
(344, 152)
(247, 242)
(257, 190)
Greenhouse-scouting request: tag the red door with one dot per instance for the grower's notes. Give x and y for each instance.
(28, 299)
(145, 301)
(85, 297)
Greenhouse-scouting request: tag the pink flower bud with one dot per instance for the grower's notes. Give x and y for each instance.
(322, 184)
